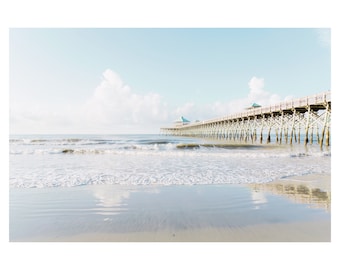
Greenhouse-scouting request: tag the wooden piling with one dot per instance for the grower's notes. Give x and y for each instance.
(268, 138)
(324, 128)
(311, 135)
(292, 128)
(307, 126)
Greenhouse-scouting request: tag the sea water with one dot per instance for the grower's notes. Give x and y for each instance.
(38, 161)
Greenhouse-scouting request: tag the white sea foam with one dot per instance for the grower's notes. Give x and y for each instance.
(67, 162)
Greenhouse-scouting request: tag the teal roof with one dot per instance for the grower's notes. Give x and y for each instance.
(182, 120)
(254, 105)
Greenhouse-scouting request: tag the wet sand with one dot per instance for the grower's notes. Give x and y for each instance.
(289, 210)
(315, 231)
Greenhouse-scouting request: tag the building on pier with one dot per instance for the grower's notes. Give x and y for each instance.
(181, 122)
(253, 106)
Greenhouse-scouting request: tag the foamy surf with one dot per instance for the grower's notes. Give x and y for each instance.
(67, 161)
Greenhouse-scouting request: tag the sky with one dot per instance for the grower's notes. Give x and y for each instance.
(136, 80)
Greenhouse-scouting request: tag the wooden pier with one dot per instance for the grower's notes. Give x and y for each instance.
(307, 119)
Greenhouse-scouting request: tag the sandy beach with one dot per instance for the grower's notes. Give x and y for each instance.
(288, 210)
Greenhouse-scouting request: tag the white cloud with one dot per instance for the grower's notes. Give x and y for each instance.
(256, 85)
(36, 118)
(259, 95)
(113, 102)
(113, 108)
(256, 94)
(187, 108)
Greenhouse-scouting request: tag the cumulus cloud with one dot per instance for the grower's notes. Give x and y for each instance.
(114, 103)
(113, 108)
(259, 95)
(256, 93)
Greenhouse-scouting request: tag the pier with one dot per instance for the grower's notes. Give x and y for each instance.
(306, 120)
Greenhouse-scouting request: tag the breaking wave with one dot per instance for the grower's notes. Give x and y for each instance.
(63, 161)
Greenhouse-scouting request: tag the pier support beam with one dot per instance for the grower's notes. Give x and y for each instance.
(307, 126)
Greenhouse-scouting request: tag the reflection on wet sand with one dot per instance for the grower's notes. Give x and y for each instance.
(303, 190)
(113, 201)
(110, 202)
(110, 198)
(258, 198)
(172, 213)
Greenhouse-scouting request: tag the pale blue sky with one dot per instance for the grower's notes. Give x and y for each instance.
(58, 82)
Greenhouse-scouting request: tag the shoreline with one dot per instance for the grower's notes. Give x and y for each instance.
(285, 210)
(198, 213)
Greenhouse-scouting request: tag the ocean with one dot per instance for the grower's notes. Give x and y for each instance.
(40, 161)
